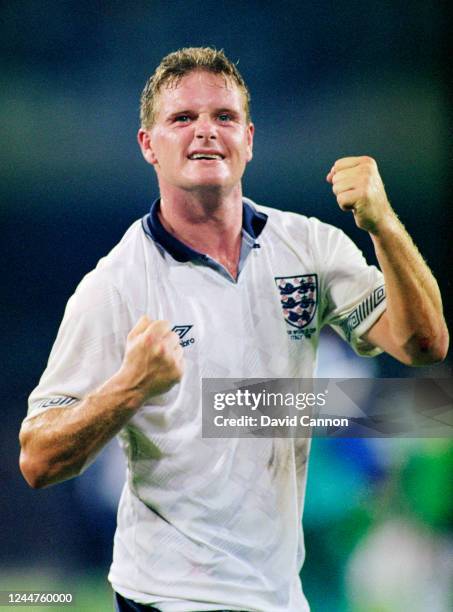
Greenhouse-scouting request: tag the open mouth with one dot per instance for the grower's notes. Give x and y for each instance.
(206, 156)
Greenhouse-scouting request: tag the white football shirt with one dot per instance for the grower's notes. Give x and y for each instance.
(206, 524)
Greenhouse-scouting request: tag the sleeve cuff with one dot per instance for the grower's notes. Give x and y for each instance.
(361, 319)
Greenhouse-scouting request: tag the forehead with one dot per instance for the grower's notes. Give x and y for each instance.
(200, 89)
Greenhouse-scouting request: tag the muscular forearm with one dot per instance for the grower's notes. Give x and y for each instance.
(59, 443)
(414, 304)
(413, 328)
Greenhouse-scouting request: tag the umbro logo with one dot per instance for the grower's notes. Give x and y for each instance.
(182, 331)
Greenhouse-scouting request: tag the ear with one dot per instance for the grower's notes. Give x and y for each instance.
(250, 132)
(144, 141)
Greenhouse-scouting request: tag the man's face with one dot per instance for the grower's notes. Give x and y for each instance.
(200, 138)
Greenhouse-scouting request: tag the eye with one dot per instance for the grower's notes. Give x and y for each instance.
(225, 117)
(182, 118)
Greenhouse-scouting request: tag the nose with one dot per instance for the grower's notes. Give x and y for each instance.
(205, 129)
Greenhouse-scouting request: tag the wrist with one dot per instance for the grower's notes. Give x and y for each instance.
(388, 226)
(122, 393)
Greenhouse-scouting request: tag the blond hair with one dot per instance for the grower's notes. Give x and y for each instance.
(178, 64)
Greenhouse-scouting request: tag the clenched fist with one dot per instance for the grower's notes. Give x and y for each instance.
(153, 360)
(358, 186)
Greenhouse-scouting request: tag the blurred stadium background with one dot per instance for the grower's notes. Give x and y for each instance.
(327, 79)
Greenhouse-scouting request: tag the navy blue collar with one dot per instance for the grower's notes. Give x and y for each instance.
(253, 223)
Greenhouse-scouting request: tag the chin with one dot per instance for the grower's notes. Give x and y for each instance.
(212, 182)
(208, 186)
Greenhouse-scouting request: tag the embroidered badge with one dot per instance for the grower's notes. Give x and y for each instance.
(299, 298)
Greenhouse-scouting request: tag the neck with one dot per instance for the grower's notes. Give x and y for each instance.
(209, 222)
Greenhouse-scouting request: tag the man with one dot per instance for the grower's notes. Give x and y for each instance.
(211, 285)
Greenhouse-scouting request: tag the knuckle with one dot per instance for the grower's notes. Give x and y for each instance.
(160, 327)
(342, 200)
(369, 161)
(367, 192)
(168, 355)
(171, 342)
(364, 186)
(141, 324)
(159, 350)
(148, 341)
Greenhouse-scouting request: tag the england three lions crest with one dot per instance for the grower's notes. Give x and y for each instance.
(299, 298)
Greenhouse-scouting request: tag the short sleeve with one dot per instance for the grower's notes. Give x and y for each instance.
(89, 345)
(352, 292)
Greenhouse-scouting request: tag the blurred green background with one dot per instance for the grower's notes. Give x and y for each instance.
(327, 80)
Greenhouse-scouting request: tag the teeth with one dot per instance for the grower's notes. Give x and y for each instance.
(205, 156)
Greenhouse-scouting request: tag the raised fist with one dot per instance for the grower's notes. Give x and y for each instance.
(358, 186)
(153, 360)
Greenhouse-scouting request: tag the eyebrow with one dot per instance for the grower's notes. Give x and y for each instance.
(226, 109)
(216, 111)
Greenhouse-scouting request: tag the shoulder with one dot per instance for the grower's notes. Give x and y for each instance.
(116, 275)
(127, 254)
(296, 226)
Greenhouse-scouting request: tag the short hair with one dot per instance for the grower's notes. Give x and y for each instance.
(178, 64)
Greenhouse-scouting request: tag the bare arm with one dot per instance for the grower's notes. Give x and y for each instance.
(413, 328)
(59, 443)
